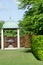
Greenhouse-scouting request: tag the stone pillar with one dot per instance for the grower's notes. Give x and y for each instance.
(2, 40)
(18, 39)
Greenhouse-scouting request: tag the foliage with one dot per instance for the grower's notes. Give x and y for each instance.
(10, 33)
(1, 24)
(25, 3)
(37, 46)
(32, 21)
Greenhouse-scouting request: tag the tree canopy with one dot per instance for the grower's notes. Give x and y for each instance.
(32, 21)
(24, 3)
(1, 23)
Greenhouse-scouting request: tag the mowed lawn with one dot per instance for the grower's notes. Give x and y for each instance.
(18, 57)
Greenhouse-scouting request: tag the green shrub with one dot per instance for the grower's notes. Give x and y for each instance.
(37, 46)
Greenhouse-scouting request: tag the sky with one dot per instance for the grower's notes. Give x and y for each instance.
(9, 8)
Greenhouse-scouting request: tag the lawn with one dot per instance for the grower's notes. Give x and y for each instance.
(18, 57)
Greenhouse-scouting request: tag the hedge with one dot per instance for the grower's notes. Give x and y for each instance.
(37, 46)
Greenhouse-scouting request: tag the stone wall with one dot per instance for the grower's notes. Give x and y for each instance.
(24, 41)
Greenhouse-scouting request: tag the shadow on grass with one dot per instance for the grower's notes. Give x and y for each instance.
(36, 57)
(27, 50)
(30, 51)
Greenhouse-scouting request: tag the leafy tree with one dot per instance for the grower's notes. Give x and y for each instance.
(32, 21)
(1, 24)
(10, 33)
(27, 3)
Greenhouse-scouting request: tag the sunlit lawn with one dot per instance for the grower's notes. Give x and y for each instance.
(18, 57)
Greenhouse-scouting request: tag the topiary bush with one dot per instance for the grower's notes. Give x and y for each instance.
(37, 46)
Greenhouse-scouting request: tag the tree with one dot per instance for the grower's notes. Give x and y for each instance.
(1, 24)
(32, 20)
(25, 3)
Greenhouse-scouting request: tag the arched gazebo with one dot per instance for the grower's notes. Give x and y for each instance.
(10, 25)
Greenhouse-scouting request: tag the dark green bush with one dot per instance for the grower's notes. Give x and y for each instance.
(37, 46)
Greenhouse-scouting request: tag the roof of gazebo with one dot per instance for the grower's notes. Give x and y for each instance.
(10, 24)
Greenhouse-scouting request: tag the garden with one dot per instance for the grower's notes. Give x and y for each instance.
(31, 24)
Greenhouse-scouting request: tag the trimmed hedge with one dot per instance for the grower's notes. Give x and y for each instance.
(37, 46)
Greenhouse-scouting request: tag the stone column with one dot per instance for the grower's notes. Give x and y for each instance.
(2, 40)
(18, 39)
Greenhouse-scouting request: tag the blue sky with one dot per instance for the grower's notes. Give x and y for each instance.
(9, 8)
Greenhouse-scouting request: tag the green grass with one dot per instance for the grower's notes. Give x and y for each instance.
(18, 57)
